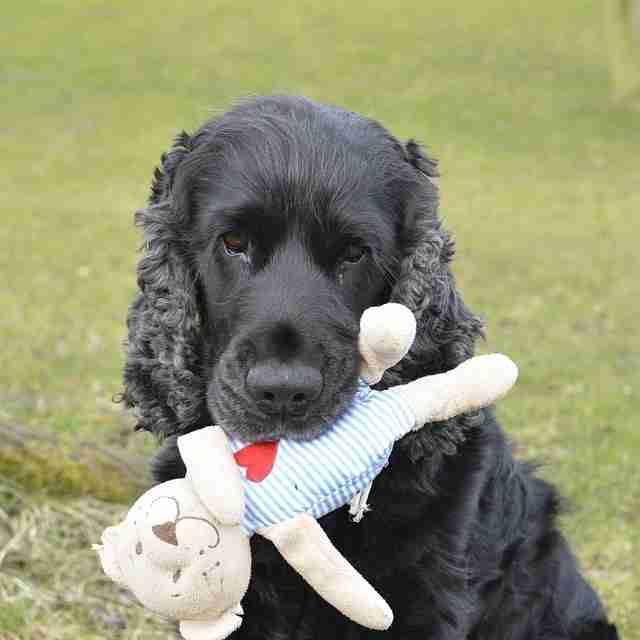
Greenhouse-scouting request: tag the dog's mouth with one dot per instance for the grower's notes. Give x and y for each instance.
(245, 424)
(241, 417)
(293, 428)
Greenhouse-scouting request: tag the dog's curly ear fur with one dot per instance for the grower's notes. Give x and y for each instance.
(164, 175)
(162, 377)
(447, 330)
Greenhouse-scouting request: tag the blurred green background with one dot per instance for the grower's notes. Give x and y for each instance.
(540, 186)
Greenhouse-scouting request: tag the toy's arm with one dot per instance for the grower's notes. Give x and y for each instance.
(306, 547)
(212, 470)
(477, 382)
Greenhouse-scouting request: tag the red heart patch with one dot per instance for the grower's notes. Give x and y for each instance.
(258, 459)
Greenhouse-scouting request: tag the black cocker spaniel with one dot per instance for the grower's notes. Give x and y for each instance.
(268, 232)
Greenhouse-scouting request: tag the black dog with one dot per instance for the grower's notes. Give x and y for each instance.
(268, 233)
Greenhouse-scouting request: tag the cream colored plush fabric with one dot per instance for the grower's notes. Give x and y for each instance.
(306, 547)
(386, 334)
(181, 549)
(177, 559)
(475, 383)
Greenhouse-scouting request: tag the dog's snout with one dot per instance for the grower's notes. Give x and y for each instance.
(284, 388)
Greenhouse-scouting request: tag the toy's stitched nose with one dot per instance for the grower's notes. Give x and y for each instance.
(166, 532)
(279, 388)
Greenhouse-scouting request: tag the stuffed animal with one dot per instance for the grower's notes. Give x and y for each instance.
(183, 548)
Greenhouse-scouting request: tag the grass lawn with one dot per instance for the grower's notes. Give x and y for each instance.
(540, 186)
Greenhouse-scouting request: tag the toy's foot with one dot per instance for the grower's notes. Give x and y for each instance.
(386, 334)
(216, 629)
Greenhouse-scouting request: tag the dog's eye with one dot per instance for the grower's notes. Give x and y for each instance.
(235, 243)
(353, 253)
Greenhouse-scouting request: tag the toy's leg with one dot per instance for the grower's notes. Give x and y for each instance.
(477, 382)
(306, 547)
(386, 334)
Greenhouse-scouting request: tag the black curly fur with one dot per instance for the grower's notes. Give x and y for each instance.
(462, 539)
(163, 375)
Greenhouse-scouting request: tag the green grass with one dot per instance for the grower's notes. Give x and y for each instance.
(540, 186)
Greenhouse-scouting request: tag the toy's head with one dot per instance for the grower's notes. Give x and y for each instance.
(175, 558)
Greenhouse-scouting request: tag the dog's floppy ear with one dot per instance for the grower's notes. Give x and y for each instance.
(446, 328)
(162, 379)
(164, 175)
(425, 244)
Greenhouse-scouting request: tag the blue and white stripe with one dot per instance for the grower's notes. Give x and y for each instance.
(323, 474)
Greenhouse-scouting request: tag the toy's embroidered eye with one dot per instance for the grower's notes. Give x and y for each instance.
(353, 253)
(235, 243)
(138, 548)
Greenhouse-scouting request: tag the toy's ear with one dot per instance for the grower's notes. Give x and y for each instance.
(217, 629)
(386, 334)
(107, 552)
(212, 470)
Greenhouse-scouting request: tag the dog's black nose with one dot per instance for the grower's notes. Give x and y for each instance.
(281, 388)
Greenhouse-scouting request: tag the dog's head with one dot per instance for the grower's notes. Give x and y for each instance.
(268, 233)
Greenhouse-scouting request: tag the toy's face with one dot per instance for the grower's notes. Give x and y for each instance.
(174, 557)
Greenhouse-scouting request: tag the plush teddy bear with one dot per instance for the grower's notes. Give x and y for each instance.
(183, 548)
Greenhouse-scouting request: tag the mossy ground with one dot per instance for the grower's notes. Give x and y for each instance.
(540, 186)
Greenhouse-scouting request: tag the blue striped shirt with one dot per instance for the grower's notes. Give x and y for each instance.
(320, 475)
